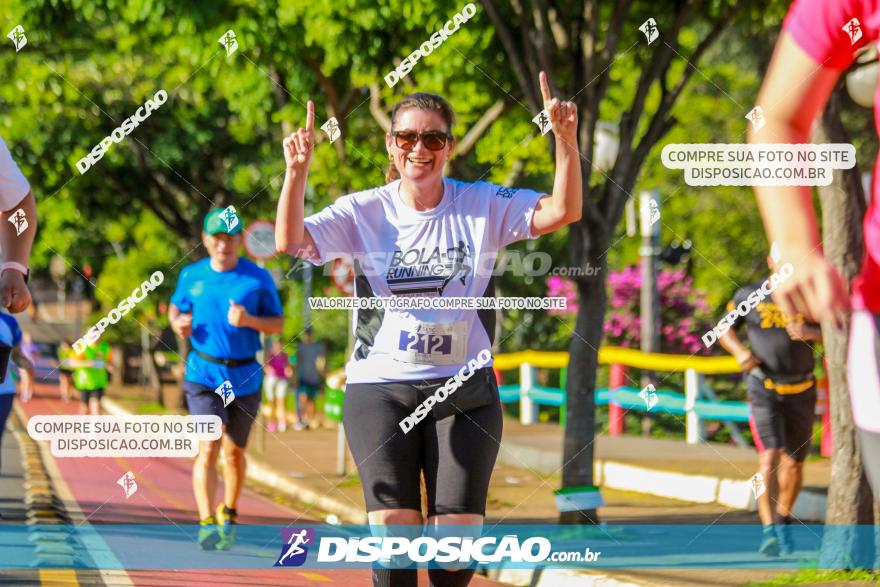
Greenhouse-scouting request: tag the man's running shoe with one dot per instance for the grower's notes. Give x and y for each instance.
(769, 543)
(209, 536)
(783, 533)
(227, 519)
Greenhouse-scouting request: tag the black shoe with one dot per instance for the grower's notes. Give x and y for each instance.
(769, 544)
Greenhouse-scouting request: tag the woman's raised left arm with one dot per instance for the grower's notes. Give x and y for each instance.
(564, 206)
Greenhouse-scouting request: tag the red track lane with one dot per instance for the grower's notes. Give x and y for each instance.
(164, 496)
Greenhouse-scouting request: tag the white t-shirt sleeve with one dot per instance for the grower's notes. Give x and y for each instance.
(511, 211)
(13, 185)
(333, 230)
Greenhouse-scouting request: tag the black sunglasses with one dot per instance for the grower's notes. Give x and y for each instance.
(434, 140)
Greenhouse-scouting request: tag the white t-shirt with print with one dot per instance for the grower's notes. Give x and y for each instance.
(13, 185)
(447, 251)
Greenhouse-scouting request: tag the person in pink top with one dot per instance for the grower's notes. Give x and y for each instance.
(278, 373)
(818, 43)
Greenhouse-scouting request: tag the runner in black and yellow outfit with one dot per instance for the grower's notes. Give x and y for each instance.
(782, 391)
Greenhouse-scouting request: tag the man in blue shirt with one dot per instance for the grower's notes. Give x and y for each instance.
(222, 304)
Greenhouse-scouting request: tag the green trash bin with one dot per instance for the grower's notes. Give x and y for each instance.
(333, 399)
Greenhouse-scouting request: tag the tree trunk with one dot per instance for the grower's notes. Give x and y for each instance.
(849, 495)
(154, 381)
(589, 239)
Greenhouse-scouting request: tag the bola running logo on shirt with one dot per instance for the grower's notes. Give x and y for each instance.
(427, 271)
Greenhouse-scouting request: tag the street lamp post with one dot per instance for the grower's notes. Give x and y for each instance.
(650, 229)
(649, 211)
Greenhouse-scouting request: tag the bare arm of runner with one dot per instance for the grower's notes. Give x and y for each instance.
(794, 93)
(181, 323)
(733, 345)
(264, 324)
(566, 203)
(291, 236)
(14, 293)
(239, 316)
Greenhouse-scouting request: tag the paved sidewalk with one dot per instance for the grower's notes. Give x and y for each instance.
(540, 445)
(699, 473)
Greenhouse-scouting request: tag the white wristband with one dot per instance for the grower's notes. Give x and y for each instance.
(14, 265)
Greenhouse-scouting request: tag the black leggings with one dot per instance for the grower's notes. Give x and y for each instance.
(456, 453)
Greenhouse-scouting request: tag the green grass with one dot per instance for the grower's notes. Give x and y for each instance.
(817, 576)
(151, 408)
(350, 481)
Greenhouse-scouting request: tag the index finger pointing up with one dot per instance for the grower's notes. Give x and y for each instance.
(545, 87)
(310, 116)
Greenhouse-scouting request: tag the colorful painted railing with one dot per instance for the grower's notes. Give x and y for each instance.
(698, 403)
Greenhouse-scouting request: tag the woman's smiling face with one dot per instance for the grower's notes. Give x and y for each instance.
(419, 163)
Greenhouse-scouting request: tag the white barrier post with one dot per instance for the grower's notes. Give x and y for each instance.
(695, 432)
(528, 410)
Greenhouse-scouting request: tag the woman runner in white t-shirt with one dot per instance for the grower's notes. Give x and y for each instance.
(428, 236)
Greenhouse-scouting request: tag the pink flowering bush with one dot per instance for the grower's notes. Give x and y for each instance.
(682, 309)
(559, 287)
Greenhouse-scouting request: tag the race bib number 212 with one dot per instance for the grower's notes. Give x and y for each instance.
(435, 344)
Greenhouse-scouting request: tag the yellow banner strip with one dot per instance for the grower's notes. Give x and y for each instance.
(634, 358)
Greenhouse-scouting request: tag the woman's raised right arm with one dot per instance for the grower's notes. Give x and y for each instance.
(290, 234)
